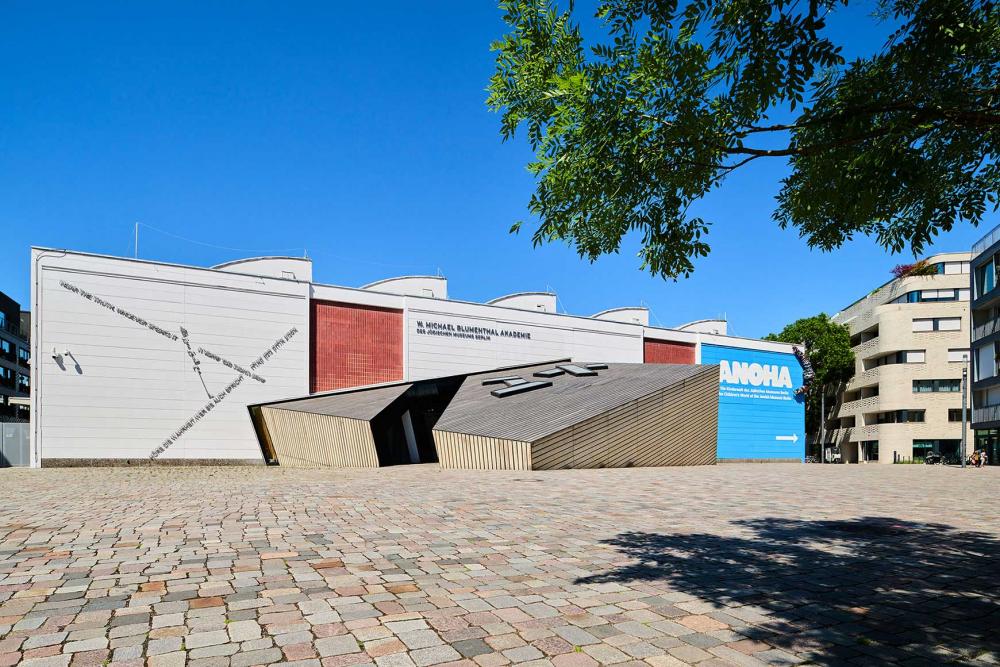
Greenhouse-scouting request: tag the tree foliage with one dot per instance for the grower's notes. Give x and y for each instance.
(828, 345)
(634, 124)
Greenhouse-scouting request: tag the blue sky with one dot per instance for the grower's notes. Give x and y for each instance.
(357, 133)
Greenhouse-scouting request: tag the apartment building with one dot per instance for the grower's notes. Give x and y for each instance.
(911, 341)
(15, 367)
(985, 344)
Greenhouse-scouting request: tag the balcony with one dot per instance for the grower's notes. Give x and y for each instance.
(12, 328)
(865, 378)
(990, 413)
(860, 405)
(986, 329)
(867, 348)
(982, 244)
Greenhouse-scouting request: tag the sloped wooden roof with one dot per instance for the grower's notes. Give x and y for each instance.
(571, 399)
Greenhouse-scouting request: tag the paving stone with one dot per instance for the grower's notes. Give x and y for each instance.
(419, 639)
(240, 631)
(38, 641)
(434, 655)
(573, 660)
(127, 653)
(575, 635)
(447, 566)
(163, 646)
(523, 654)
(337, 645)
(259, 657)
(175, 659)
(605, 654)
(394, 660)
(471, 647)
(85, 645)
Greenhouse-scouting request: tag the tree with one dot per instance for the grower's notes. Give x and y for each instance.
(634, 124)
(828, 346)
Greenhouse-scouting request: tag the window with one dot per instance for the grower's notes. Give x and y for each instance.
(985, 366)
(923, 386)
(952, 268)
(985, 279)
(6, 350)
(937, 324)
(23, 383)
(869, 450)
(958, 354)
(955, 414)
(900, 417)
(945, 447)
(931, 295)
(23, 355)
(903, 357)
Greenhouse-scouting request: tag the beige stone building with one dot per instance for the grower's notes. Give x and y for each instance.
(910, 337)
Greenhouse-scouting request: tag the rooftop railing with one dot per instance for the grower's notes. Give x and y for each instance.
(985, 242)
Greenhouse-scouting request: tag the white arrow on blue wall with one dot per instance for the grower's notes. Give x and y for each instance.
(791, 438)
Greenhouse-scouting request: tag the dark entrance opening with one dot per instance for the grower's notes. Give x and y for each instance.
(403, 430)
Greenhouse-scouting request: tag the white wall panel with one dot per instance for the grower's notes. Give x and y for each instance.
(441, 340)
(126, 390)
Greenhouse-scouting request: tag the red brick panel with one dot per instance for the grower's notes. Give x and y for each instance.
(352, 345)
(665, 352)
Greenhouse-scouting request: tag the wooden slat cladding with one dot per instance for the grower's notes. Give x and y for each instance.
(677, 425)
(305, 440)
(461, 450)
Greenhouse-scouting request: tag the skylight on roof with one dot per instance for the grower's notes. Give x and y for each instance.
(502, 380)
(519, 388)
(577, 371)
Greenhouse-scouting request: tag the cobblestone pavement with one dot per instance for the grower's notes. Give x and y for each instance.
(719, 565)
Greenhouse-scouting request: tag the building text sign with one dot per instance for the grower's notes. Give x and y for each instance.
(468, 332)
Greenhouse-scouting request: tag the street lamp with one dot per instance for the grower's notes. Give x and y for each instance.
(965, 382)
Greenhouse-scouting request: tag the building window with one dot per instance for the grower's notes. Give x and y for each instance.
(937, 324)
(933, 295)
(900, 417)
(6, 350)
(924, 386)
(922, 448)
(23, 383)
(23, 356)
(6, 377)
(903, 357)
(869, 450)
(953, 268)
(958, 354)
(985, 279)
(955, 414)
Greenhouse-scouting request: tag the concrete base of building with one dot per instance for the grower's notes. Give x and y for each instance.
(146, 463)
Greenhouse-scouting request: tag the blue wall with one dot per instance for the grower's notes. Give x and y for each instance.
(760, 417)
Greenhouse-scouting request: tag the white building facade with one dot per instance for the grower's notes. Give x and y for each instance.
(136, 360)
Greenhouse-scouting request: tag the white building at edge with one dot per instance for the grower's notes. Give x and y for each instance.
(135, 359)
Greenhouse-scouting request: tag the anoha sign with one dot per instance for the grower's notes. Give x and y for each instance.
(760, 416)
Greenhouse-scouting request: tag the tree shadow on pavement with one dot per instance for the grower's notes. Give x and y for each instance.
(871, 590)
